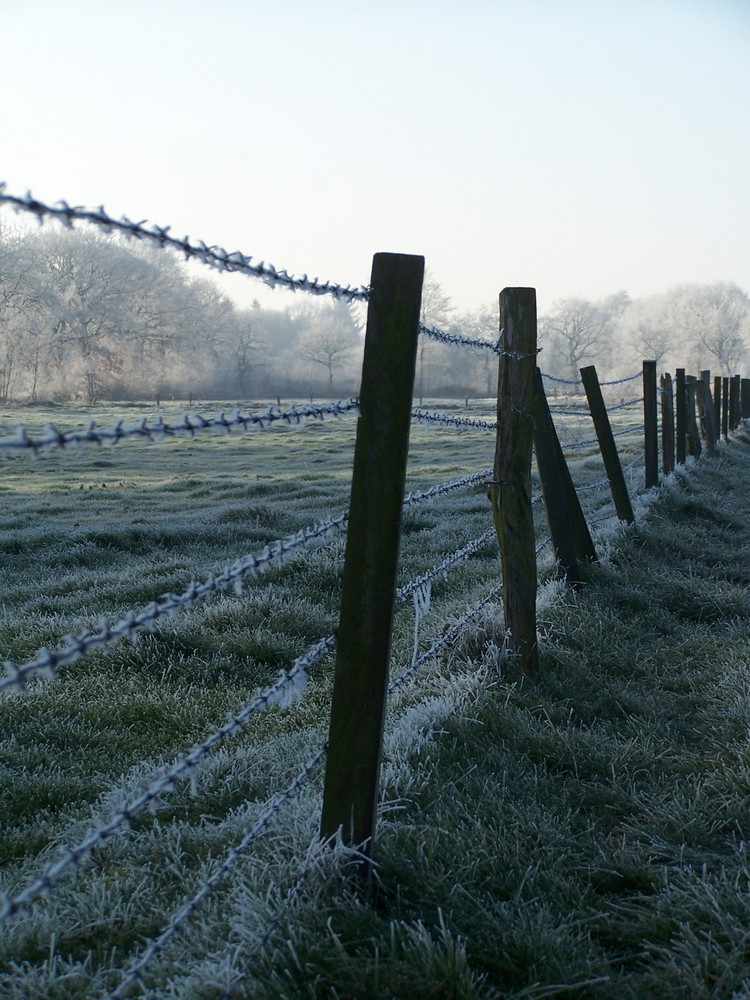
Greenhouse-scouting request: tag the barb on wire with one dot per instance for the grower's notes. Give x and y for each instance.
(230, 861)
(444, 641)
(487, 345)
(213, 256)
(577, 381)
(295, 678)
(591, 441)
(157, 429)
(428, 417)
(475, 545)
(417, 496)
(48, 663)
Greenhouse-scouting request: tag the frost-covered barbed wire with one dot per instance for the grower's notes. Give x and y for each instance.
(591, 441)
(48, 663)
(152, 429)
(276, 694)
(433, 333)
(475, 545)
(213, 256)
(577, 381)
(428, 417)
(417, 496)
(272, 807)
(564, 411)
(445, 640)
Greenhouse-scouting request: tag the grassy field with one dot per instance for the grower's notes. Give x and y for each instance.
(535, 841)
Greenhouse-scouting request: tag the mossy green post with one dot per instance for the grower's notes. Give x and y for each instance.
(372, 546)
(510, 492)
(607, 445)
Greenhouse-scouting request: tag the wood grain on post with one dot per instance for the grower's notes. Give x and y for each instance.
(717, 406)
(369, 580)
(607, 445)
(734, 402)
(680, 405)
(650, 424)
(568, 528)
(511, 490)
(691, 423)
(667, 424)
(706, 410)
(725, 407)
(745, 398)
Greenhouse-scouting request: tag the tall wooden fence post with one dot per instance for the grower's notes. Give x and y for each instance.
(706, 410)
(745, 398)
(717, 407)
(667, 423)
(369, 581)
(650, 424)
(734, 402)
(725, 407)
(511, 490)
(680, 406)
(607, 445)
(691, 421)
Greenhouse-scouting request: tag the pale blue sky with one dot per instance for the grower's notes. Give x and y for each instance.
(580, 147)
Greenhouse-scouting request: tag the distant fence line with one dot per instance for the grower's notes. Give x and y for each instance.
(386, 398)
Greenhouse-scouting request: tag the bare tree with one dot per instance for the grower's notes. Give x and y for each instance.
(576, 332)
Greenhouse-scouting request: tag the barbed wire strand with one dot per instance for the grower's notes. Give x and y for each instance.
(272, 807)
(157, 429)
(577, 381)
(295, 677)
(213, 256)
(428, 417)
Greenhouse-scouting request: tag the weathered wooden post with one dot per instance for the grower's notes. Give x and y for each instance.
(680, 416)
(510, 492)
(607, 444)
(691, 423)
(725, 407)
(650, 424)
(717, 406)
(667, 423)
(369, 580)
(734, 402)
(706, 410)
(745, 398)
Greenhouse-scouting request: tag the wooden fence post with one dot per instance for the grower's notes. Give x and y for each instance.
(706, 410)
(667, 423)
(691, 423)
(717, 406)
(680, 408)
(607, 444)
(511, 489)
(745, 398)
(650, 424)
(369, 580)
(734, 402)
(725, 407)
(557, 486)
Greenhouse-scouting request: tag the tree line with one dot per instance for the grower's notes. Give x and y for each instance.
(88, 316)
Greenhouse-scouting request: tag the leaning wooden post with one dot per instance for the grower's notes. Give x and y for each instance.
(607, 444)
(650, 424)
(511, 489)
(717, 406)
(564, 513)
(680, 416)
(372, 546)
(667, 423)
(734, 402)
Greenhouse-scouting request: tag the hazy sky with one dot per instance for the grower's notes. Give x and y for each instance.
(580, 147)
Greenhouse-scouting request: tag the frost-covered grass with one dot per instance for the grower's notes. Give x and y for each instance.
(526, 831)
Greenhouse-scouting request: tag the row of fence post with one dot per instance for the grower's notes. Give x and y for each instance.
(524, 423)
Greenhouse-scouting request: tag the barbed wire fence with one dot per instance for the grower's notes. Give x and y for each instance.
(292, 682)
